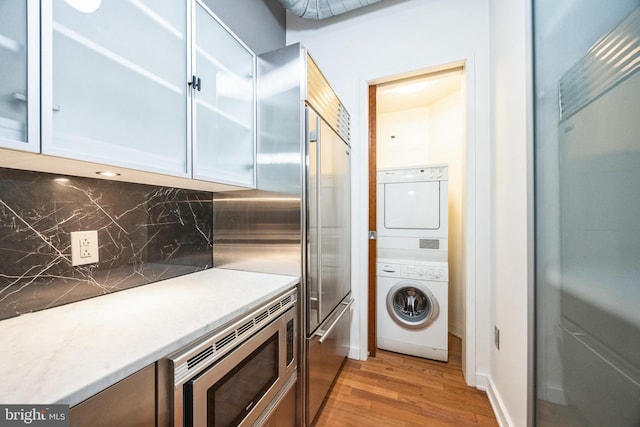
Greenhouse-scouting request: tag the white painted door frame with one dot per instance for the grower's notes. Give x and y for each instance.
(474, 202)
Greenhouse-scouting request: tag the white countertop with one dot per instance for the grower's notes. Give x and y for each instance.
(68, 353)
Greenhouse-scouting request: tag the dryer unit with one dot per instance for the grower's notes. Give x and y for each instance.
(413, 213)
(412, 308)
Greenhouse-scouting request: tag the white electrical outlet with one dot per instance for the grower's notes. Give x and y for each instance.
(84, 247)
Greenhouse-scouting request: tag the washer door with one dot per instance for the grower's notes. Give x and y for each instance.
(412, 305)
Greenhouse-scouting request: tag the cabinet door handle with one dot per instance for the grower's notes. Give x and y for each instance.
(196, 83)
(17, 96)
(21, 97)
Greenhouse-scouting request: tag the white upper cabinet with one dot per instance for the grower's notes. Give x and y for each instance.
(224, 107)
(160, 87)
(115, 83)
(19, 75)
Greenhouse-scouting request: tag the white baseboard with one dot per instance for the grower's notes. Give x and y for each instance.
(456, 329)
(556, 395)
(481, 382)
(357, 353)
(497, 404)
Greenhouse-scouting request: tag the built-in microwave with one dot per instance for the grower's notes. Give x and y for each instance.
(238, 375)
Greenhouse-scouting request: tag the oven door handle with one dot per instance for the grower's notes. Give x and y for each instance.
(324, 334)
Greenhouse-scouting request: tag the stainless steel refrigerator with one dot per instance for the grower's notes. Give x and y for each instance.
(328, 281)
(297, 221)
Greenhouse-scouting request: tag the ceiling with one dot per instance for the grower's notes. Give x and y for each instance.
(417, 92)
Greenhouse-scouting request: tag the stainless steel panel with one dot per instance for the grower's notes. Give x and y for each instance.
(164, 401)
(280, 128)
(329, 222)
(335, 219)
(284, 412)
(130, 402)
(323, 99)
(257, 231)
(325, 358)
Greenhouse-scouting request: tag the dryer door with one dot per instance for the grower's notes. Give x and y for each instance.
(412, 205)
(412, 305)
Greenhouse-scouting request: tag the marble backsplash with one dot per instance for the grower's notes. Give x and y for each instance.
(145, 234)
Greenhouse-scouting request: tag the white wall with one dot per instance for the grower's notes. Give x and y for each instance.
(510, 125)
(446, 143)
(403, 138)
(389, 39)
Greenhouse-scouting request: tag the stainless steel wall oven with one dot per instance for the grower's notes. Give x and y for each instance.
(239, 374)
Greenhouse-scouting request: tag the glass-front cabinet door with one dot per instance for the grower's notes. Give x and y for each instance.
(19, 75)
(224, 108)
(587, 231)
(115, 83)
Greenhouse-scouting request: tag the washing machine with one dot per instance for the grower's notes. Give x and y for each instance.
(412, 307)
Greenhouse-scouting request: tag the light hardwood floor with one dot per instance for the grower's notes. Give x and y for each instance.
(398, 390)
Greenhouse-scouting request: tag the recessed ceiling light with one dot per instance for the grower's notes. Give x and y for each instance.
(108, 174)
(411, 87)
(86, 6)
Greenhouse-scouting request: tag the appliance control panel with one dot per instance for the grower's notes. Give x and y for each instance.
(437, 273)
(426, 173)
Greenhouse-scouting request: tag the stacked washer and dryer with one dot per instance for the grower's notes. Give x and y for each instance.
(412, 265)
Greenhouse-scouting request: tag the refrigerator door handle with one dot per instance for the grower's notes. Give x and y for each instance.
(324, 333)
(318, 142)
(313, 302)
(316, 281)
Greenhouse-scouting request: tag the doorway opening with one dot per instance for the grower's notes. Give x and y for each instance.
(419, 119)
